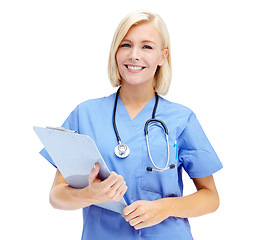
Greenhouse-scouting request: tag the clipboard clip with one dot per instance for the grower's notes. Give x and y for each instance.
(62, 129)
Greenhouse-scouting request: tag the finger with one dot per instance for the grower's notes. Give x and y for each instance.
(119, 185)
(132, 216)
(114, 192)
(112, 180)
(129, 209)
(136, 222)
(120, 192)
(140, 225)
(94, 172)
(122, 189)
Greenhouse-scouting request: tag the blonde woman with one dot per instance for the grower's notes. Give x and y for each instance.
(156, 140)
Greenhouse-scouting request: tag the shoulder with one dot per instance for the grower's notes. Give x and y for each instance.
(175, 109)
(89, 111)
(92, 106)
(96, 103)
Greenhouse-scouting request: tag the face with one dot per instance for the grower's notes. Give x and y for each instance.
(139, 54)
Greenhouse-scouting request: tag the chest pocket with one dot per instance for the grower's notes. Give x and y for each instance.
(165, 182)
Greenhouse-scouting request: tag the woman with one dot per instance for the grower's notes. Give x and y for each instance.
(150, 177)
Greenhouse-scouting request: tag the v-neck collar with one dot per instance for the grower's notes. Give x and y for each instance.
(144, 114)
(128, 128)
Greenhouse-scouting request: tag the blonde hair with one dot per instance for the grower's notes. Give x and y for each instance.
(163, 73)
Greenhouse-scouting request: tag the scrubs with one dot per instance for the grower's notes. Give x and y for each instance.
(195, 155)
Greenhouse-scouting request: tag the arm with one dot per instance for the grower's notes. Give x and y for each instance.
(64, 197)
(142, 214)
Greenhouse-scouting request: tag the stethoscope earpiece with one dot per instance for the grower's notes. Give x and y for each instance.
(150, 169)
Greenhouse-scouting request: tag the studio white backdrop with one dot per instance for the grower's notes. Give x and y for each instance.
(53, 55)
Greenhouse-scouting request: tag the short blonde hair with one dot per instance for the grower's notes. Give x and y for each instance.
(163, 73)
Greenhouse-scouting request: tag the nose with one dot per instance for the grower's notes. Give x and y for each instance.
(134, 54)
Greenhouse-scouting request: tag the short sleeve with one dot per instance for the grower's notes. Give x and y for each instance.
(195, 151)
(71, 123)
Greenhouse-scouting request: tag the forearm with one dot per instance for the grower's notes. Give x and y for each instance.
(66, 198)
(62, 196)
(202, 202)
(141, 214)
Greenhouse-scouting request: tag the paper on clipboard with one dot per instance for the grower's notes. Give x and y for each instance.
(75, 155)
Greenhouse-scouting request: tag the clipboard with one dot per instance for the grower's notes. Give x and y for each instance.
(75, 155)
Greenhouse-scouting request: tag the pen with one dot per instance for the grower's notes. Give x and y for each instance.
(176, 146)
(62, 129)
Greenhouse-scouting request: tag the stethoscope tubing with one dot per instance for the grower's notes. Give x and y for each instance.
(153, 119)
(150, 156)
(114, 117)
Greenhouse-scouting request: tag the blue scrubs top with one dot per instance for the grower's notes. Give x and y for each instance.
(195, 155)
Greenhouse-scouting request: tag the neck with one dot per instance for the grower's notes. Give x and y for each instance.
(136, 95)
(135, 98)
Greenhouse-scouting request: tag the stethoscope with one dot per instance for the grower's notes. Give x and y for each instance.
(122, 150)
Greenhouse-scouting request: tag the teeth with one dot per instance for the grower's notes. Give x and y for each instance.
(134, 68)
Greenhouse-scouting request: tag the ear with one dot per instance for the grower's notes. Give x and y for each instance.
(165, 53)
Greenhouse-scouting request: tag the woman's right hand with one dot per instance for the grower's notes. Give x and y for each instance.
(112, 189)
(62, 196)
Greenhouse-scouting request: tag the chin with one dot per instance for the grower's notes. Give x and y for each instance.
(135, 81)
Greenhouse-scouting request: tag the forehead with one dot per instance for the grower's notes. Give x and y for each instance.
(143, 32)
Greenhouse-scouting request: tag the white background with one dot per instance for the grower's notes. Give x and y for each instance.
(53, 55)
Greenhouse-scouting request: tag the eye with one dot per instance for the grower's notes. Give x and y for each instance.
(125, 45)
(147, 47)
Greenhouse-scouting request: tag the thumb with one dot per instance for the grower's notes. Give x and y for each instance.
(94, 172)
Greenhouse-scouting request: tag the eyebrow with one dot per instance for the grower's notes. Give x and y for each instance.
(145, 41)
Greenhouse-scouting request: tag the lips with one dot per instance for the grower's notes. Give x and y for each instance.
(134, 67)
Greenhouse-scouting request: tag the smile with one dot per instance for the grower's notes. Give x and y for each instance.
(132, 67)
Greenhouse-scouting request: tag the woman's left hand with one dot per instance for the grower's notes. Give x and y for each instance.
(141, 214)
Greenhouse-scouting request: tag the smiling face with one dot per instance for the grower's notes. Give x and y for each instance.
(139, 54)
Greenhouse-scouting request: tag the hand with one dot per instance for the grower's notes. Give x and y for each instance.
(111, 189)
(141, 214)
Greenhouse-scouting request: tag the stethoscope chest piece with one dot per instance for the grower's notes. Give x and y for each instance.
(122, 150)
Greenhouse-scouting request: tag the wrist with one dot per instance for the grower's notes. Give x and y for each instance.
(79, 198)
(86, 197)
(167, 207)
